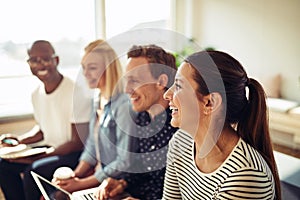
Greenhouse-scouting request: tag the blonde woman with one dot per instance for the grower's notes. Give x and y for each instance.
(107, 149)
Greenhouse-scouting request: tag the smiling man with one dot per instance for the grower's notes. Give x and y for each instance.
(150, 72)
(53, 103)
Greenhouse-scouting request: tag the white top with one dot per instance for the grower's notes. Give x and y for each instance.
(56, 111)
(243, 175)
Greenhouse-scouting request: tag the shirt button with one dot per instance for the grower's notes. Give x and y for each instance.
(149, 168)
(152, 147)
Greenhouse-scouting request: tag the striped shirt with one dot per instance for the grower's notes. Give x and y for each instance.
(243, 175)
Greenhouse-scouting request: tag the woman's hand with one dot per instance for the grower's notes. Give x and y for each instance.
(71, 184)
(130, 198)
(110, 188)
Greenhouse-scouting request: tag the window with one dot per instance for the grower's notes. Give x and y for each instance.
(68, 25)
(124, 18)
(123, 15)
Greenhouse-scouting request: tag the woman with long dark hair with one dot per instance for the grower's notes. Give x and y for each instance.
(223, 149)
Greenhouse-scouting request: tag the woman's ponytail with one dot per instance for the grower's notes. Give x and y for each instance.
(254, 127)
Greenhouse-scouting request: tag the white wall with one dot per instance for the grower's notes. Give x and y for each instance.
(263, 35)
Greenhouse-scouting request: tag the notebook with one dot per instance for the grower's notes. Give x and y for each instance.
(52, 192)
(23, 151)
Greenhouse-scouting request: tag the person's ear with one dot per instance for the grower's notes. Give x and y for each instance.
(56, 60)
(162, 81)
(212, 102)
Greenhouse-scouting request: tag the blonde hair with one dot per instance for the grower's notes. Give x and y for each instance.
(113, 71)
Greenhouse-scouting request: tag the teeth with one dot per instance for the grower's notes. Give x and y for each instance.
(42, 72)
(133, 99)
(173, 108)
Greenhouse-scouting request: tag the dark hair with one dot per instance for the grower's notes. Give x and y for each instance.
(217, 71)
(160, 61)
(40, 42)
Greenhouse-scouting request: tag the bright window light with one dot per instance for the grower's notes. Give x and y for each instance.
(69, 25)
(123, 15)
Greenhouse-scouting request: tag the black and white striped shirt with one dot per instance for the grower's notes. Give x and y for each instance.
(243, 175)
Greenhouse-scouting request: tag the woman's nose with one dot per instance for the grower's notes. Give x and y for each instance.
(84, 72)
(168, 94)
